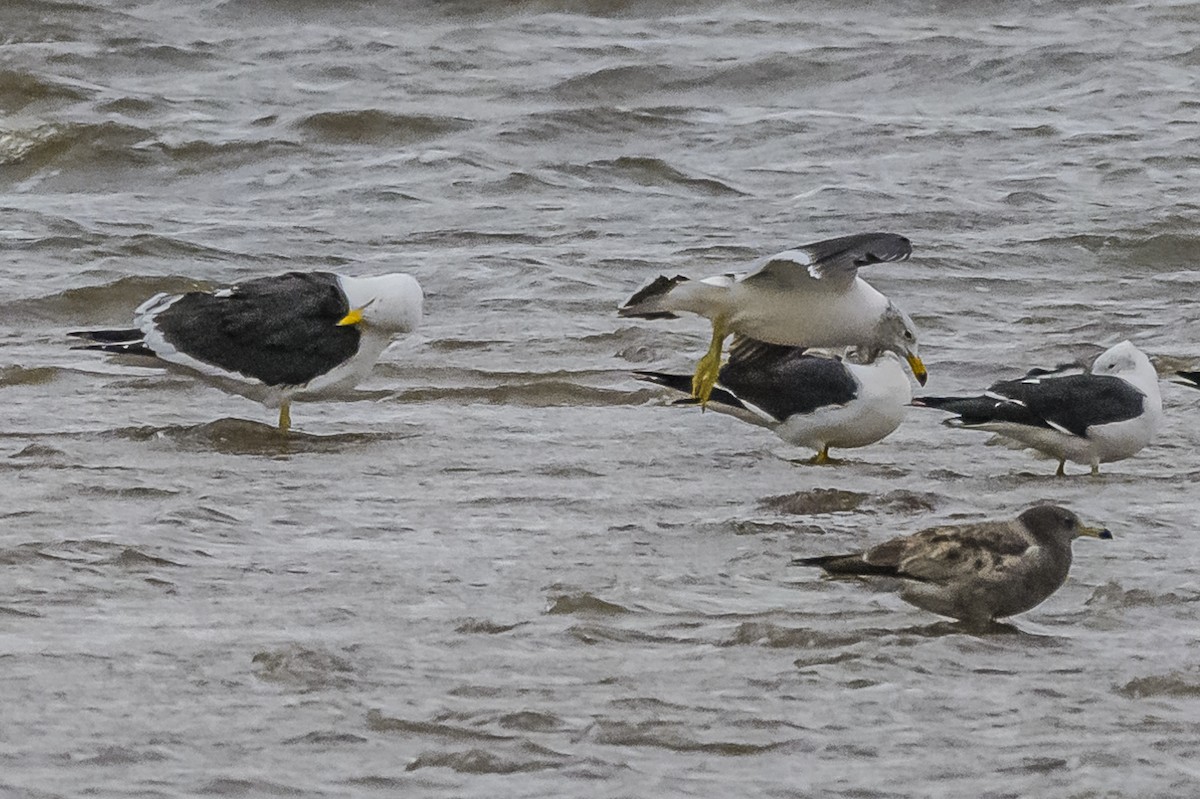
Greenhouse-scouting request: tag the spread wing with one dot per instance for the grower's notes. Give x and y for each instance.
(832, 264)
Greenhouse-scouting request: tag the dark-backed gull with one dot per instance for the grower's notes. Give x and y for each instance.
(1105, 415)
(974, 572)
(273, 339)
(808, 296)
(807, 399)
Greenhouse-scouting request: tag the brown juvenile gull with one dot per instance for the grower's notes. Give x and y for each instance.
(807, 296)
(300, 335)
(975, 573)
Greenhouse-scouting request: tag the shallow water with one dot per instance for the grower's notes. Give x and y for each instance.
(505, 567)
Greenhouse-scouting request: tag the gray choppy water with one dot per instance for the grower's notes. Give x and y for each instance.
(506, 568)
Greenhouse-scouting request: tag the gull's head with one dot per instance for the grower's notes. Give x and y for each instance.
(1054, 525)
(389, 303)
(896, 333)
(1123, 359)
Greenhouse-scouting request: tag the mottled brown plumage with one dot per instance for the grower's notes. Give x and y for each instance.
(974, 572)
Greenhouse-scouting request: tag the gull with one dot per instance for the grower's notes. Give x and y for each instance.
(807, 399)
(273, 339)
(975, 573)
(807, 296)
(1105, 415)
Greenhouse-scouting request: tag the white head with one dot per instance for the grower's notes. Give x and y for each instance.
(1131, 364)
(1123, 360)
(389, 303)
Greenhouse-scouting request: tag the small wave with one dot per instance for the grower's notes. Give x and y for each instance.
(603, 119)
(19, 89)
(97, 304)
(17, 612)
(229, 786)
(826, 66)
(244, 437)
(134, 106)
(671, 736)
(479, 761)
(301, 667)
(372, 126)
(529, 394)
(650, 173)
(617, 85)
(585, 603)
(380, 723)
(818, 501)
(485, 627)
(1176, 685)
(1112, 594)
(774, 636)
(815, 501)
(327, 738)
(531, 721)
(28, 376)
(122, 756)
(104, 146)
(135, 559)
(599, 633)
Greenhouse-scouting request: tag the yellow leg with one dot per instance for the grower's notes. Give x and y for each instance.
(1062, 472)
(709, 368)
(822, 457)
(1095, 468)
(285, 417)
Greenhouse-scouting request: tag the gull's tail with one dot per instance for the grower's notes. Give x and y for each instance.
(683, 384)
(970, 411)
(666, 297)
(852, 564)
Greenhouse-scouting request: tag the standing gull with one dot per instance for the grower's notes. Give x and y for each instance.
(1105, 415)
(975, 573)
(273, 339)
(808, 400)
(808, 296)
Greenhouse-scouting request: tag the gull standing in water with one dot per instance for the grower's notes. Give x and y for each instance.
(975, 573)
(1106, 415)
(807, 399)
(299, 335)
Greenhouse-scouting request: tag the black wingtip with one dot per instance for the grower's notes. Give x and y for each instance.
(128, 348)
(1188, 379)
(819, 561)
(681, 383)
(108, 336)
(933, 402)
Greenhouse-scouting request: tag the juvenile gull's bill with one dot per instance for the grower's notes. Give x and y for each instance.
(808, 296)
(975, 573)
(1106, 415)
(807, 399)
(300, 335)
